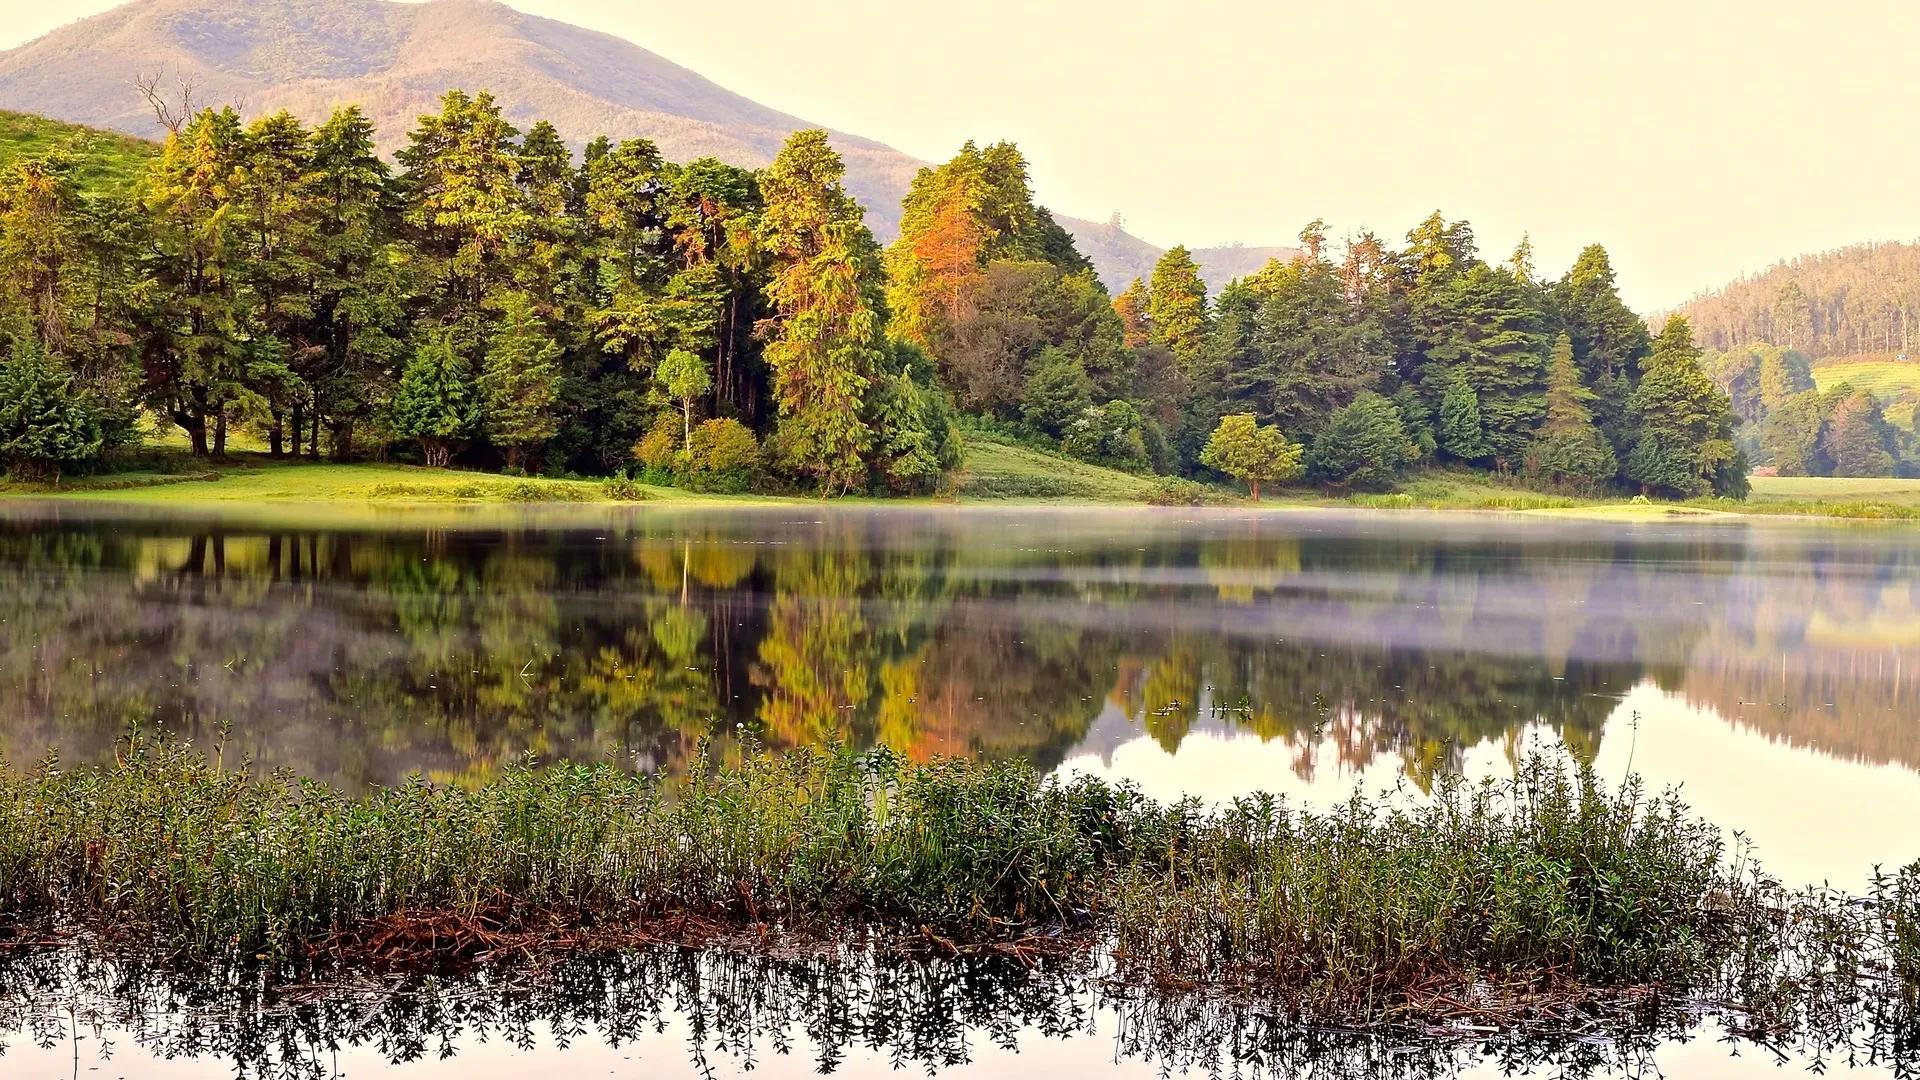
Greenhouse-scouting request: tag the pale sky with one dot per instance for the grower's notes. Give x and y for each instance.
(1696, 139)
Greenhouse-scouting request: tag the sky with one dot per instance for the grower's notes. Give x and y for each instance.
(1696, 139)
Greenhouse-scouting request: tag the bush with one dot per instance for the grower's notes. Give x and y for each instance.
(621, 489)
(657, 448)
(1114, 434)
(722, 456)
(1176, 491)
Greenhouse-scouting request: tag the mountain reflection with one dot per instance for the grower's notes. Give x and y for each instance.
(361, 655)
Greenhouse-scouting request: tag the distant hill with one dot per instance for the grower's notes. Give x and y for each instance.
(109, 161)
(1857, 300)
(395, 59)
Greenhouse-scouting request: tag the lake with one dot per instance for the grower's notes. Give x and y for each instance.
(1770, 670)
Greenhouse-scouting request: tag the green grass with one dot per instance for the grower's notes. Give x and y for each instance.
(1000, 470)
(109, 162)
(1548, 884)
(1886, 378)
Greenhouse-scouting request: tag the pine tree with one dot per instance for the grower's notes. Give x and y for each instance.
(1610, 342)
(1857, 439)
(1682, 424)
(44, 426)
(434, 402)
(1570, 451)
(1462, 434)
(1244, 450)
(826, 331)
(519, 383)
(1177, 307)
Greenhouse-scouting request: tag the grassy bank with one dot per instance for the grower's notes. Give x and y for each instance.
(994, 472)
(1548, 889)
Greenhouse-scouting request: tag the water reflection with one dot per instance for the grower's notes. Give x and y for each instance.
(1343, 643)
(709, 1013)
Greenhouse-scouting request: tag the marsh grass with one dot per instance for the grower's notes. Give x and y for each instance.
(1485, 900)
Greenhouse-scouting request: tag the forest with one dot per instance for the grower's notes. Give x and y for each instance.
(493, 300)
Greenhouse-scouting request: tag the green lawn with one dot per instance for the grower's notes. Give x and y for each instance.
(109, 161)
(995, 470)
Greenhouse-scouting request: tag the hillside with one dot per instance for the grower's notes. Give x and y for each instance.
(1854, 300)
(395, 59)
(1895, 382)
(109, 161)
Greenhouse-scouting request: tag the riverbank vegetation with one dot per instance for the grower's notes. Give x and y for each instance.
(496, 300)
(1542, 895)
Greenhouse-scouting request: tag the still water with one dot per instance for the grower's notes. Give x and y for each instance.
(1772, 671)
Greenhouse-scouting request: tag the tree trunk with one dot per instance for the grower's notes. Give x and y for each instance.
(220, 434)
(299, 424)
(1255, 485)
(277, 437)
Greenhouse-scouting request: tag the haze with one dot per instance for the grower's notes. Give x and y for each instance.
(1697, 140)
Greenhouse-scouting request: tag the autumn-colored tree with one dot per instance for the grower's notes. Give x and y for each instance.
(1131, 305)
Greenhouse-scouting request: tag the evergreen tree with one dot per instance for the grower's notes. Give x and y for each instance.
(463, 205)
(519, 382)
(198, 342)
(1462, 434)
(1610, 342)
(1570, 451)
(1682, 424)
(359, 291)
(1857, 440)
(1057, 392)
(1246, 451)
(44, 426)
(826, 330)
(1790, 436)
(1177, 307)
(1362, 446)
(434, 402)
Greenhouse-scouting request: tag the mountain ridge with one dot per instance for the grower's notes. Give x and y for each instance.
(395, 60)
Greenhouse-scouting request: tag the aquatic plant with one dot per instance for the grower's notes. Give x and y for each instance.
(1534, 897)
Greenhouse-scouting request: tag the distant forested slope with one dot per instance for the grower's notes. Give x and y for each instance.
(1859, 299)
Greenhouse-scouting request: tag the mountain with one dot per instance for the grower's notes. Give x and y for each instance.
(395, 59)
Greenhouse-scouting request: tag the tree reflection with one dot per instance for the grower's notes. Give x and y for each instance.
(362, 656)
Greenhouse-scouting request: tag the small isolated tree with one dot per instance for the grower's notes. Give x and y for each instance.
(1363, 446)
(686, 379)
(1243, 449)
(520, 382)
(1570, 451)
(44, 426)
(434, 402)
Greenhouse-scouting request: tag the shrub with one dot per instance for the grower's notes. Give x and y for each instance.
(1114, 434)
(722, 456)
(621, 489)
(656, 449)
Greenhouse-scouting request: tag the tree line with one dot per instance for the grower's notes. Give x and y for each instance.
(494, 300)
